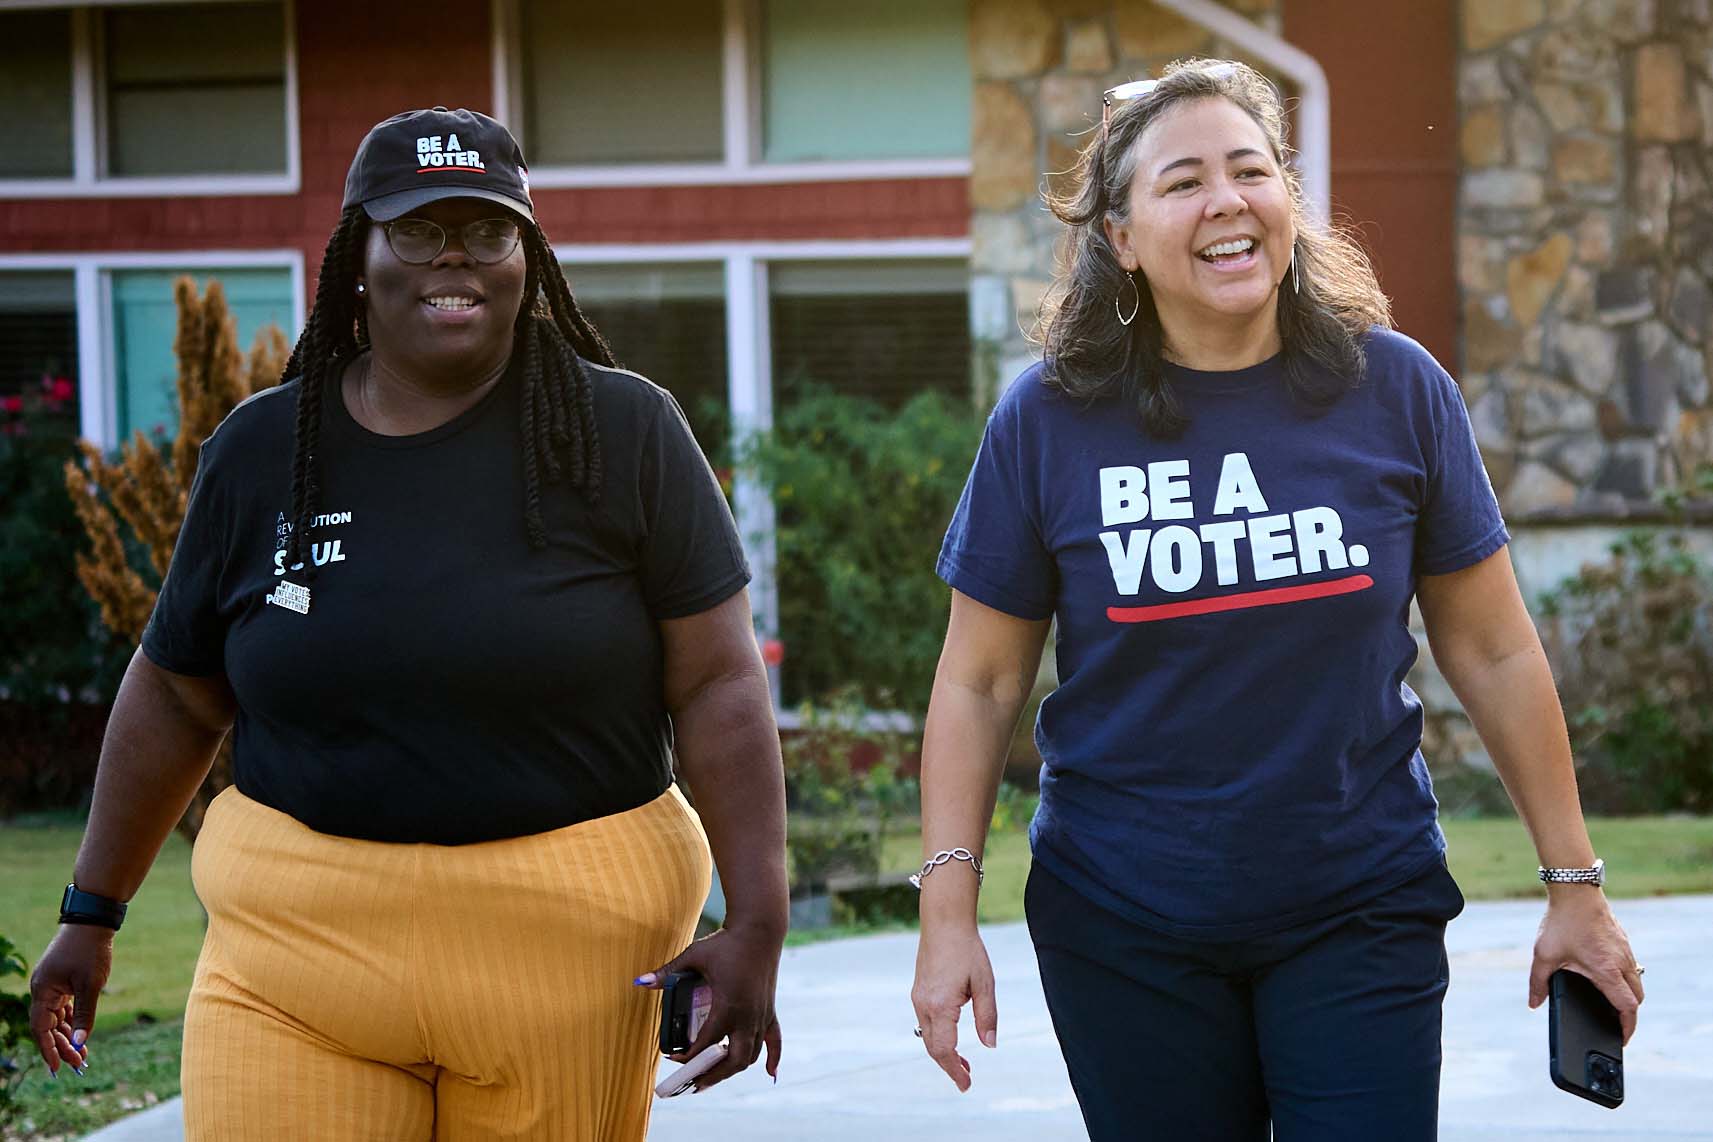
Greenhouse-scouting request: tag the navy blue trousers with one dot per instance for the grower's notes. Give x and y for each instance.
(1324, 1032)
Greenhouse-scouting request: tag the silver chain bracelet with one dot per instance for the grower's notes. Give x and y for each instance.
(945, 856)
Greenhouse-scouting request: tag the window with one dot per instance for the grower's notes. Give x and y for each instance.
(669, 324)
(195, 89)
(145, 320)
(688, 91)
(886, 79)
(35, 89)
(612, 83)
(166, 98)
(885, 330)
(38, 335)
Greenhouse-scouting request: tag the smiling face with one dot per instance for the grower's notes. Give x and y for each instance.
(1210, 221)
(447, 319)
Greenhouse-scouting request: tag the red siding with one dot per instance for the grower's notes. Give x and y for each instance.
(357, 66)
(1394, 146)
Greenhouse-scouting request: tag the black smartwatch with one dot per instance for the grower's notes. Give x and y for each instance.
(79, 907)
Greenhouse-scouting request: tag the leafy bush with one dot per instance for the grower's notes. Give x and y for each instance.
(862, 496)
(15, 1042)
(1631, 641)
(54, 649)
(846, 790)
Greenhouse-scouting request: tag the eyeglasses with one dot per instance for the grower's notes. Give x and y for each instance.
(1136, 89)
(487, 240)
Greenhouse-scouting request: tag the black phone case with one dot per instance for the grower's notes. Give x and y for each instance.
(677, 997)
(1585, 1040)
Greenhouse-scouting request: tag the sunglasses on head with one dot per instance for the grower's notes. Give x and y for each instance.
(1137, 88)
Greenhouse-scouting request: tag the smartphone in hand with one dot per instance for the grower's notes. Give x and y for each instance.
(1585, 1040)
(685, 1000)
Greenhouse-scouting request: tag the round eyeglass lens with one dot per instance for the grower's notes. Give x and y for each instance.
(415, 239)
(491, 239)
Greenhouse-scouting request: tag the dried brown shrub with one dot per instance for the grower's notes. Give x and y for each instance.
(149, 486)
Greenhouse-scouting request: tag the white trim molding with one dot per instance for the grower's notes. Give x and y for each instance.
(740, 99)
(92, 278)
(88, 128)
(772, 251)
(1314, 109)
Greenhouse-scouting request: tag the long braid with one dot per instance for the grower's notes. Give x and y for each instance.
(329, 340)
(558, 400)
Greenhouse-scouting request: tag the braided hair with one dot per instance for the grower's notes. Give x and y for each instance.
(559, 434)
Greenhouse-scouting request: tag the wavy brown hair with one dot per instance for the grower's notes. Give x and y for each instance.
(1090, 355)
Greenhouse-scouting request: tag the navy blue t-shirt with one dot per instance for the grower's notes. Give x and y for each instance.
(1232, 747)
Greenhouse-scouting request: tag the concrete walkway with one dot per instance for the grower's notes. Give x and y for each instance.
(853, 1071)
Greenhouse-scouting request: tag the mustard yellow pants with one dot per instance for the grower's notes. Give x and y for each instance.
(365, 992)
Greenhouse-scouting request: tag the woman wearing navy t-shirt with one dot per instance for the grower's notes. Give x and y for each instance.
(1226, 483)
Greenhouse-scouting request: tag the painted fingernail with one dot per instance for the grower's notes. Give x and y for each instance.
(646, 979)
(78, 1071)
(78, 1036)
(53, 1076)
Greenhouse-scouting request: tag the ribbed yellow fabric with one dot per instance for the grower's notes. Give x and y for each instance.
(354, 990)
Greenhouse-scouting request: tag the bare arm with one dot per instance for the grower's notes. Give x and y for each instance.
(985, 674)
(161, 739)
(1487, 648)
(728, 748)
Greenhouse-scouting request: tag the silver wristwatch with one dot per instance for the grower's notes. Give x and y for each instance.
(1595, 875)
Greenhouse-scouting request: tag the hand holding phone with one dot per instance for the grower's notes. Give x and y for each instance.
(685, 1001)
(1585, 1040)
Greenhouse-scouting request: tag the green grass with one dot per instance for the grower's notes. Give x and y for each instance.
(131, 1067)
(155, 953)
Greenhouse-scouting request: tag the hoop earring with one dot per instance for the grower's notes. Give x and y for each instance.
(1118, 307)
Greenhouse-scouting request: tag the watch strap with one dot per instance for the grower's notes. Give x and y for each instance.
(80, 907)
(1594, 874)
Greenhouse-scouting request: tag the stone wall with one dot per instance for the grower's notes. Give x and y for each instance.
(1585, 269)
(1039, 68)
(1585, 248)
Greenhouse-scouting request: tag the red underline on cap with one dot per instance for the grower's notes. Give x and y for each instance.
(431, 170)
(1239, 602)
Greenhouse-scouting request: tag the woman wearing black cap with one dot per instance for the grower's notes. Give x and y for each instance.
(460, 588)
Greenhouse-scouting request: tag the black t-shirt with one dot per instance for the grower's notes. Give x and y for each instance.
(448, 683)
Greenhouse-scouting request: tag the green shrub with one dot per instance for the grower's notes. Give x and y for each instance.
(846, 790)
(15, 1042)
(862, 497)
(52, 646)
(1631, 641)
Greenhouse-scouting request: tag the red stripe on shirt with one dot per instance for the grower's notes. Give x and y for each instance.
(1239, 602)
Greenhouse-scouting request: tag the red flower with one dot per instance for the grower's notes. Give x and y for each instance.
(61, 390)
(12, 404)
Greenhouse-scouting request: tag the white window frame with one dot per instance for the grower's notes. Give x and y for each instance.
(97, 353)
(741, 117)
(749, 361)
(88, 128)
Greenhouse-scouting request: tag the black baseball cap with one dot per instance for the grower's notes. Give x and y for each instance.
(419, 156)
